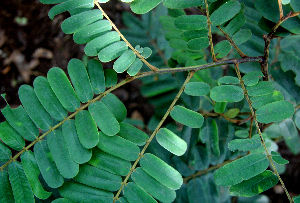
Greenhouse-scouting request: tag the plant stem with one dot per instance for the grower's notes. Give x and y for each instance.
(153, 135)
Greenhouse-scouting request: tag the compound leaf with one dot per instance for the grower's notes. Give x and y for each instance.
(5, 153)
(6, 195)
(96, 75)
(135, 67)
(112, 51)
(98, 178)
(118, 146)
(116, 107)
(78, 153)
(132, 134)
(197, 43)
(105, 120)
(190, 22)
(275, 111)
(278, 158)
(124, 61)
(170, 141)
(161, 171)
(143, 6)
(86, 129)
(241, 36)
(34, 108)
(241, 169)
(11, 137)
(187, 117)
(76, 22)
(80, 80)
(244, 144)
(259, 101)
(197, 88)
(48, 99)
(227, 93)
(231, 8)
(228, 80)
(252, 78)
(222, 48)
(111, 78)
(178, 4)
(261, 88)
(134, 193)
(67, 167)
(63, 89)
(81, 193)
(290, 135)
(152, 186)
(32, 172)
(255, 185)
(19, 183)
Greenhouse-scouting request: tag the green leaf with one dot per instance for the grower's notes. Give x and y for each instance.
(63, 89)
(98, 28)
(111, 78)
(190, 22)
(76, 22)
(143, 6)
(241, 36)
(214, 138)
(62, 200)
(86, 129)
(261, 88)
(132, 134)
(259, 101)
(105, 120)
(171, 142)
(241, 133)
(116, 107)
(80, 80)
(296, 199)
(6, 194)
(252, 78)
(198, 43)
(168, 23)
(135, 67)
(295, 5)
(96, 75)
(51, 1)
(95, 177)
(255, 185)
(82, 193)
(244, 144)
(34, 108)
(197, 88)
(187, 117)
(109, 163)
(93, 47)
(66, 166)
(231, 8)
(192, 34)
(222, 48)
(278, 158)
(235, 24)
(290, 135)
(21, 122)
(78, 153)
(275, 111)
(219, 107)
(178, 44)
(227, 93)
(181, 3)
(146, 52)
(32, 172)
(241, 169)
(5, 153)
(124, 61)
(112, 51)
(48, 99)
(232, 113)
(119, 147)
(122, 200)
(11, 137)
(134, 193)
(47, 165)
(228, 80)
(19, 183)
(152, 186)
(161, 171)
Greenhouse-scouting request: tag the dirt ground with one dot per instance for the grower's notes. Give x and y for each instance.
(31, 43)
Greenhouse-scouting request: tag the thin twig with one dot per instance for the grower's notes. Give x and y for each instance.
(269, 156)
(125, 40)
(209, 33)
(280, 9)
(153, 135)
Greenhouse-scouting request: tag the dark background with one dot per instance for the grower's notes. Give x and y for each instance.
(31, 43)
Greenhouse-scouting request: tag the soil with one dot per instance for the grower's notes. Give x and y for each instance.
(31, 43)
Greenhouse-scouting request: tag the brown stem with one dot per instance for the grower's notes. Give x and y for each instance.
(209, 34)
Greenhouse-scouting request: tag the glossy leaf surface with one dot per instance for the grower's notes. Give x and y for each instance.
(10, 137)
(241, 169)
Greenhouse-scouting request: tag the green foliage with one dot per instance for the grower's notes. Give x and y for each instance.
(85, 149)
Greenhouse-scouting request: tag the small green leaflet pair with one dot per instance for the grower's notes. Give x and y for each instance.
(248, 176)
